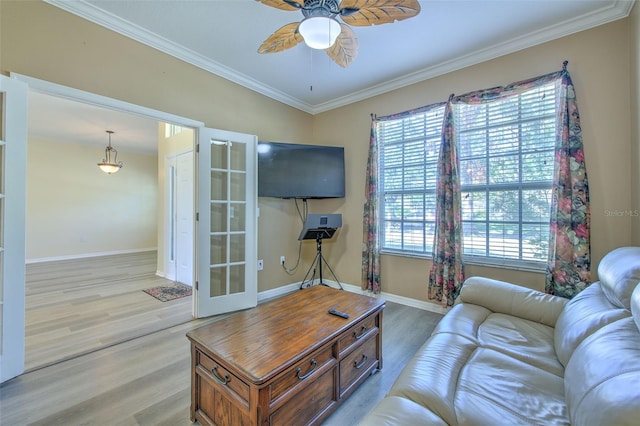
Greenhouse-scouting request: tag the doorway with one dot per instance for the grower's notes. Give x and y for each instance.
(225, 178)
(121, 258)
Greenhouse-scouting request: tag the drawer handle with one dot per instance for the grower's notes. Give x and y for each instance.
(359, 365)
(314, 364)
(223, 380)
(362, 333)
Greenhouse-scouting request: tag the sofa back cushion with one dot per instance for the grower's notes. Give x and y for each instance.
(619, 274)
(602, 378)
(635, 306)
(597, 338)
(599, 304)
(585, 314)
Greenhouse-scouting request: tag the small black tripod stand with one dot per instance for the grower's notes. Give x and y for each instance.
(317, 265)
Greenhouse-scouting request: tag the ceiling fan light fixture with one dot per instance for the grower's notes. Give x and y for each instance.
(319, 32)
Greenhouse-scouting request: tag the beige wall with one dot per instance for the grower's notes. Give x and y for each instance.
(599, 65)
(73, 208)
(41, 41)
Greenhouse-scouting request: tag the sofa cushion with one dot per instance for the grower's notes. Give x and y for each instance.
(506, 298)
(528, 341)
(393, 411)
(635, 306)
(462, 382)
(585, 314)
(430, 379)
(496, 389)
(619, 274)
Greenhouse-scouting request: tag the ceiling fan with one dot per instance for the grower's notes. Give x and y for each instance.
(320, 28)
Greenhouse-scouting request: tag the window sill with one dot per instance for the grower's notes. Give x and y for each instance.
(471, 260)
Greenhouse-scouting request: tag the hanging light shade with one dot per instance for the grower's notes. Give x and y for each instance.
(107, 165)
(319, 32)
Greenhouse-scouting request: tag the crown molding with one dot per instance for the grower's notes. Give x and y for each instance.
(617, 10)
(112, 22)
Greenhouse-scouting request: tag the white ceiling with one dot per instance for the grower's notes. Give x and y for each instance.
(222, 37)
(56, 119)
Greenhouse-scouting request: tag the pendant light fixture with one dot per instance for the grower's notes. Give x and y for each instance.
(107, 165)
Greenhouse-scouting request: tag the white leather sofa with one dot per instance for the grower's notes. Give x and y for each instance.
(508, 355)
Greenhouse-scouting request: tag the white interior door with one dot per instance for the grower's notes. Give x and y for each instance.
(13, 165)
(184, 217)
(170, 218)
(227, 277)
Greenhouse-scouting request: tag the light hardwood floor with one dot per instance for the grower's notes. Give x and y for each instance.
(77, 306)
(146, 380)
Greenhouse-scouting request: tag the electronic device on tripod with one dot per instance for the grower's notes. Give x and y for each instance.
(318, 227)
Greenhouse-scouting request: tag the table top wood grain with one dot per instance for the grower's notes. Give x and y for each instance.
(261, 342)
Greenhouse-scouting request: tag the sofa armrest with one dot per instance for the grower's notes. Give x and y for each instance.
(512, 299)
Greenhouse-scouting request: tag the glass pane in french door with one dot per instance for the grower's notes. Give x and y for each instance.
(218, 277)
(228, 217)
(237, 275)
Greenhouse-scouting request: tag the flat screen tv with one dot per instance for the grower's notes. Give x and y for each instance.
(287, 170)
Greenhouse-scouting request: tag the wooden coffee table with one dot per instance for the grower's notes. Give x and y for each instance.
(286, 362)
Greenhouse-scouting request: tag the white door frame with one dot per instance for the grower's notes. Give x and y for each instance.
(53, 89)
(12, 243)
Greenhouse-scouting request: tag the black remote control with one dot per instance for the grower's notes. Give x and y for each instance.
(338, 313)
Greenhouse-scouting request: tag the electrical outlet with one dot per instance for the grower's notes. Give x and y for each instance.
(282, 259)
(260, 265)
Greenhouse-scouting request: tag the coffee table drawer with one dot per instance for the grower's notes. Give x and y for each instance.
(358, 364)
(357, 334)
(300, 374)
(214, 371)
(309, 404)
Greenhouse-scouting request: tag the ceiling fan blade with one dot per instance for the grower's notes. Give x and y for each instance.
(345, 49)
(282, 4)
(283, 39)
(376, 12)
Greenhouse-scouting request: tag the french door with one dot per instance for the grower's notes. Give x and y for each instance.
(13, 161)
(227, 277)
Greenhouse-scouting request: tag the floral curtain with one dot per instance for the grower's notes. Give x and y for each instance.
(569, 261)
(370, 245)
(370, 238)
(447, 270)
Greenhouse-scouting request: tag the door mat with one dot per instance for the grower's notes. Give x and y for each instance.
(171, 292)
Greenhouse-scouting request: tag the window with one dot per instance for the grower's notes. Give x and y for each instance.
(172, 130)
(505, 151)
(408, 155)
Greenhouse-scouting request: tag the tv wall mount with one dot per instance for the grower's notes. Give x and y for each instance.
(318, 227)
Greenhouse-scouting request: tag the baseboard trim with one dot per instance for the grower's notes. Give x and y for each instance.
(276, 292)
(87, 255)
(426, 306)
